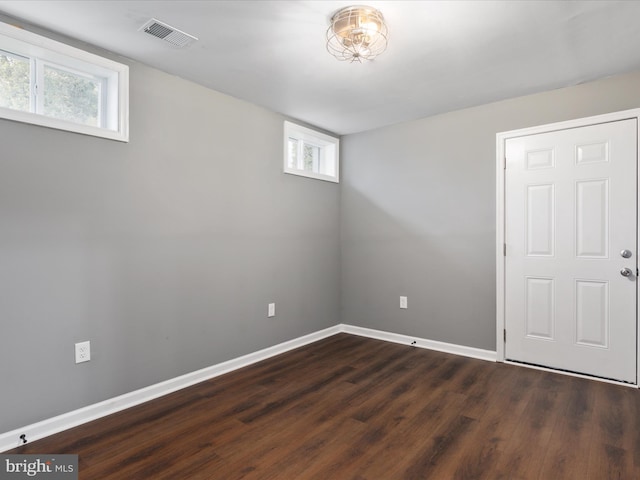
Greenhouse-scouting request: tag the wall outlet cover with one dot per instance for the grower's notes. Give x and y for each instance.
(403, 302)
(83, 352)
(271, 311)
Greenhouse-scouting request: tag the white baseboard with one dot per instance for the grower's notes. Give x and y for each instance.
(50, 426)
(36, 431)
(422, 343)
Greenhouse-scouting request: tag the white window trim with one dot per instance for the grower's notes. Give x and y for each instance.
(312, 137)
(23, 42)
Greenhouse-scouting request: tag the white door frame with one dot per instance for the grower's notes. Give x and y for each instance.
(501, 139)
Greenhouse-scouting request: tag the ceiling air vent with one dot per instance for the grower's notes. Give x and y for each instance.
(168, 33)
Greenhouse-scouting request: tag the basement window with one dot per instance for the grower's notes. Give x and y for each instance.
(48, 83)
(309, 153)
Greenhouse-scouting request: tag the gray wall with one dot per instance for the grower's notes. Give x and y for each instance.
(418, 212)
(163, 252)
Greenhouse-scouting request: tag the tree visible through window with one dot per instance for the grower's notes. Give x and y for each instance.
(67, 95)
(14, 82)
(44, 82)
(71, 97)
(292, 160)
(311, 158)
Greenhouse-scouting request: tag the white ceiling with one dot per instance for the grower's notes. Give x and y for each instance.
(442, 55)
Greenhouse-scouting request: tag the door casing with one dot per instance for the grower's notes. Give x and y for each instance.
(501, 139)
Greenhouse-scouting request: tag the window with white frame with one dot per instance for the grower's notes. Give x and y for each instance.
(310, 153)
(52, 84)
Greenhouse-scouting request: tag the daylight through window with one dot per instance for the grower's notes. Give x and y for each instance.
(309, 153)
(52, 84)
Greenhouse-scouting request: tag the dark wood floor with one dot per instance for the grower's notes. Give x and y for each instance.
(354, 408)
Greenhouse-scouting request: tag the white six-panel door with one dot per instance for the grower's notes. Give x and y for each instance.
(570, 212)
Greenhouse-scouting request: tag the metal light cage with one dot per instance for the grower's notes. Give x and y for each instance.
(357, 33)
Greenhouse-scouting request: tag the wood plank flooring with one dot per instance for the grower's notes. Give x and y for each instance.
(348, 407)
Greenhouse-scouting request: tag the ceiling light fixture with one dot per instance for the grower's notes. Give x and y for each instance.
(357, 33)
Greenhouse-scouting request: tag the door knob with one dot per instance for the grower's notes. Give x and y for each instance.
(626, 272)
(625, 253)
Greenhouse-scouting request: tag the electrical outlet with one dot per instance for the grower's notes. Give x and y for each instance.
(403, 302)
(271, 311)
(83, 352)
